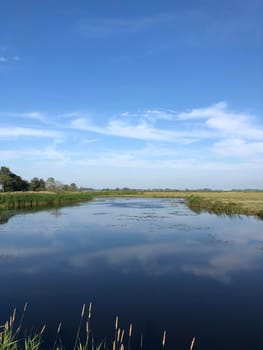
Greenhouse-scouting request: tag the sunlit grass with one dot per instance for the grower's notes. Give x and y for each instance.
(225, 203)
(21, 200)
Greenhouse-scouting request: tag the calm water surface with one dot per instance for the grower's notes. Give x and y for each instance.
(152, 262)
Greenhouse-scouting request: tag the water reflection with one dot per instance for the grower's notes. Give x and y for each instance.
(122, 234)
(130, 254)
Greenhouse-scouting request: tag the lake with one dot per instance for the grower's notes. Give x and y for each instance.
(152, 262)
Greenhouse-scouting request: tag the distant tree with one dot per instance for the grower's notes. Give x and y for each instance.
(73, 187)
(65, 187)
(42, 185)
(53, 185)
(12, 182)
(37, 184)
(20, 184)
(6, 182)
(5, 171)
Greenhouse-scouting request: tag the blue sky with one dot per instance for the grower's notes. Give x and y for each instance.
(127, 93)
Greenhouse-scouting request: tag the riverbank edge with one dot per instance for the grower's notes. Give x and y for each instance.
(35, 200)
(216, 202)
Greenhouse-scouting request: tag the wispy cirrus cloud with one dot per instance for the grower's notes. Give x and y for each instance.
(239, 148)
(28, 115)
(205, 139)
(49, 153)
(140, 131)
(225, 121)
(152, 115)
(15, 132)
(108, 26)
(6, 59)
(213, 122)
(195, 26)
(215, 129)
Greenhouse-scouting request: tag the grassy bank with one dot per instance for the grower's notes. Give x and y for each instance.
(219, 202)
(21, 200)
(246, 203)
(13, 336)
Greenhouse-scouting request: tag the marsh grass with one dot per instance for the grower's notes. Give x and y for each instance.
(11, 337)
(21, 200)
(225, 205)
(213, 206)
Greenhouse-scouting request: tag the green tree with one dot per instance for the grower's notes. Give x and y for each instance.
(37, 184)
(12, 182)
(73, 187)
(6, 183)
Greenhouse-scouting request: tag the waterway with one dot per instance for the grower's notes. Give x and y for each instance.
(152, 262)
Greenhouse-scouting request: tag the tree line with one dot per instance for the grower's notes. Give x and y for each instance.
(11, 182)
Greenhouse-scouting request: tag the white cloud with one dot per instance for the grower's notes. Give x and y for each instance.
(28, 115)
(214, 123)
(4, 59)
(141, 131)
(211, 111)
(152, 115)
(26, 132)
(225, 122)
(49, 153)
(213, 141)
(239, 148)
(155, 114)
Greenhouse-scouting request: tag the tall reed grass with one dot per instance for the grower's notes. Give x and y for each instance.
(14, 337)
(218, 207)
(19, 200)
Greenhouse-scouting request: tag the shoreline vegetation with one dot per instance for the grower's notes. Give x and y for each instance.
(17, 193)
(13, 336)
(30, 200)
(216, 202)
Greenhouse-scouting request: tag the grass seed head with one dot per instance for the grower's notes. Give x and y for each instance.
(43, 329)
(130, 330)
(59, 327)
(116, 322)
(192, 343)
(25, 306)
(83, 310)
(164, 338)
(90, 307)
